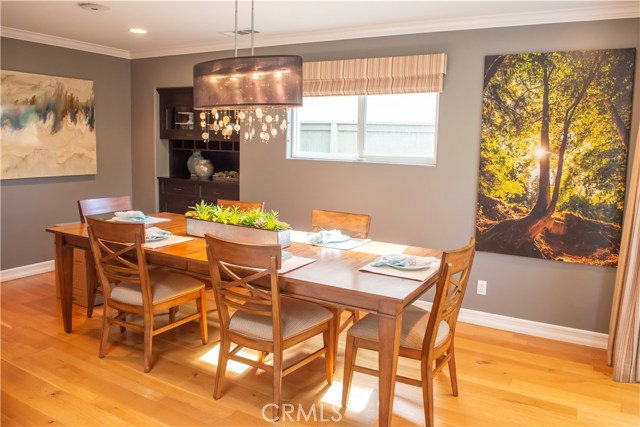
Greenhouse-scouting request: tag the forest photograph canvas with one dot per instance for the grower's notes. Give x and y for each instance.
(554, 146)
(48, 126)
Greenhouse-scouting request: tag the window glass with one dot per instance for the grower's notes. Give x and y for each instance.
(400, 125)
(398, 128)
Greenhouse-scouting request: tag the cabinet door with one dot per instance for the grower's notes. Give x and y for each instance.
(178, 120)
(176, 204)
(220, 189)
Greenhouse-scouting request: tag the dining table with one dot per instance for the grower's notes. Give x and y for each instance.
(334, 279)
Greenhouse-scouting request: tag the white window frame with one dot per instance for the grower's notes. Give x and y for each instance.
(293, 143)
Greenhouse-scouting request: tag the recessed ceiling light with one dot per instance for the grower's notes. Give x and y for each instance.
(137, 31)
(94, 7)
(240, 32)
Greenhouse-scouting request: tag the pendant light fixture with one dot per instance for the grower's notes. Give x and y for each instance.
(248, 95)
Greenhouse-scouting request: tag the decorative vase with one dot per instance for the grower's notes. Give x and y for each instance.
(203, 169)
(191, 162)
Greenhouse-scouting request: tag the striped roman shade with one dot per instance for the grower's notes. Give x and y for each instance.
(375, 76)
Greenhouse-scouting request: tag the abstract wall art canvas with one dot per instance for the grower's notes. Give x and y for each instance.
(48, 126)
(553, 155)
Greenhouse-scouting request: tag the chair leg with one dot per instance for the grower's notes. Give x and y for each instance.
(201, 304)
(122, 328)
(329, 343)
(148, 341)
(427, 394)
(106, 314)
(452, 373)
(172, 315)
(91, 280)
(349, 360)
(222, 367)
(356, 316)
(277, 384)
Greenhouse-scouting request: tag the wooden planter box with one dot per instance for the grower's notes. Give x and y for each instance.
(196, 227)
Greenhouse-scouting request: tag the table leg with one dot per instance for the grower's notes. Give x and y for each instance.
(64, 278)
(91, 280)
(336, 333)
(389, 342)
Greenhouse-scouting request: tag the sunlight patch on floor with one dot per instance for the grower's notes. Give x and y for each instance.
(211, 357)
(358, 398)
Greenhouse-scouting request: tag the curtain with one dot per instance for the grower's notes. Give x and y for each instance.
(375, 76)
(624, 329)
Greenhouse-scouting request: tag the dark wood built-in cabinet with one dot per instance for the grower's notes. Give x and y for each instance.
(176, 195)
(180, 125)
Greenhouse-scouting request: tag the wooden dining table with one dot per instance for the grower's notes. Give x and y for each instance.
(334, 279)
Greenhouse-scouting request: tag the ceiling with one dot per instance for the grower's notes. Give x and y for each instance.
(178, 27)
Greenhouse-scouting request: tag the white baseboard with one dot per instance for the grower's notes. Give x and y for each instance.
(529, 327)
(512, 324)
(26, 270)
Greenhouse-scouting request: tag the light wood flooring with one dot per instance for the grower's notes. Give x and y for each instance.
(505, 379)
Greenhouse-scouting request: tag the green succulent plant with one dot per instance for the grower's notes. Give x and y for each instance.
(253, 218)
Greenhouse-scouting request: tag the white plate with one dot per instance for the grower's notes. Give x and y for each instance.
(130, 221)
(411, 267)
(155, 239)
(340, 239)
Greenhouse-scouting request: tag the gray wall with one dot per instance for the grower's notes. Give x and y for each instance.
(31, 205)
(425, 206)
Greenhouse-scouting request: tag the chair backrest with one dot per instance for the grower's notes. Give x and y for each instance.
(243, 206)
(455, 268)
(102, 205)
(244, 264)
(119, 255)
(351, 224)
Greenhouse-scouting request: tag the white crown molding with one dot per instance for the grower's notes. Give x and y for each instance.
(575, 14)
(578, 14)
(529, 327)
(26, 270)
(30, 36)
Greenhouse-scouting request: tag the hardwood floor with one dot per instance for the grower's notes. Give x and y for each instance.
(505, 379)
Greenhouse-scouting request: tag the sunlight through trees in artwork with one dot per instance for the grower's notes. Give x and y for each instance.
(554, 143)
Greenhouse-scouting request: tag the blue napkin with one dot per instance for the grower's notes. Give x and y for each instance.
(129, 216)
(286, 255)
(155, 233)
(326, 236)
(402, 260)
(398, 260)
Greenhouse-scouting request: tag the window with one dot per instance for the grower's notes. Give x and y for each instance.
(392, 128)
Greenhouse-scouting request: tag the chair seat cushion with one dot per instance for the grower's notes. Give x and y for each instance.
(297, 317)
(165, 285)
(414, 326)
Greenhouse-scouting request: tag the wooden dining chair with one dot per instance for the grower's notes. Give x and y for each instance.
(88, 207)
(426, 336)
(99, 206)
(353, 225)
(129, 287)
(243, 206)
(263, 319)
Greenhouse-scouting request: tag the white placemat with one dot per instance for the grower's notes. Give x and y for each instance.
(147, 220)
(171, 240)
(294, 262)
(155, 220)
(305, 237)
(420, 275)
